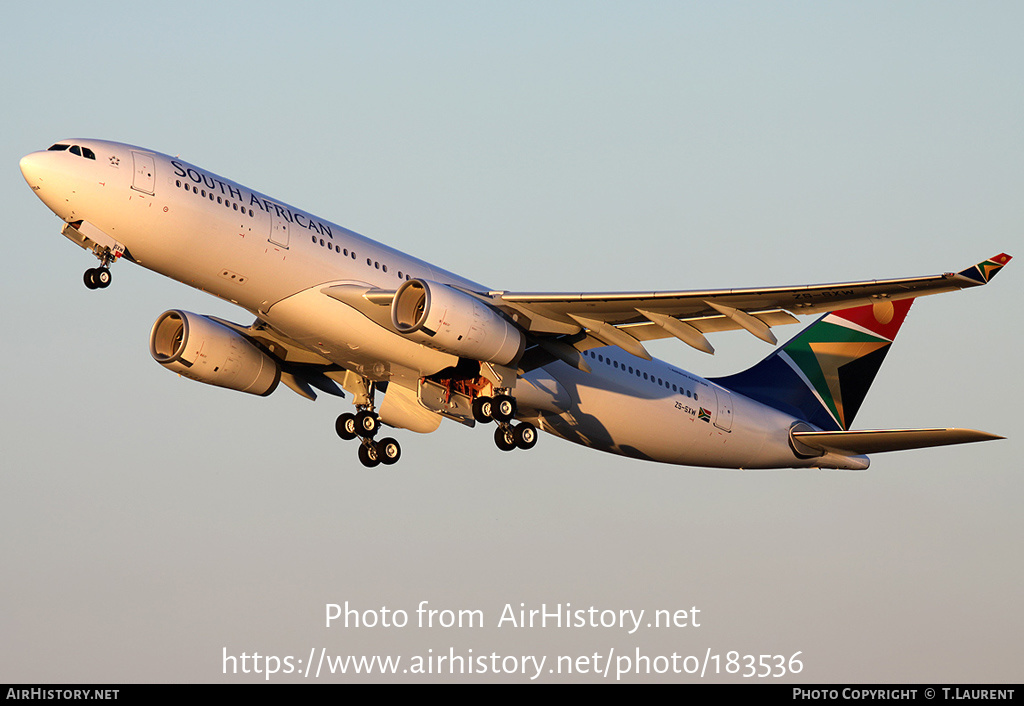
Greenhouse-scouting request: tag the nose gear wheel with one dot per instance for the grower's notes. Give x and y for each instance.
(97, 278)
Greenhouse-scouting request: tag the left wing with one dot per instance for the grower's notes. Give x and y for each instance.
(625, 319)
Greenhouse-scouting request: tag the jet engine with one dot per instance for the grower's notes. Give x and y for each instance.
(202, 349)
(451, 321)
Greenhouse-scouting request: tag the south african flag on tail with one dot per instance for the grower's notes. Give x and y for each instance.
(823, 375)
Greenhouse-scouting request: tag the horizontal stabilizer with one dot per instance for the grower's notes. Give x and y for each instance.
(871, 441)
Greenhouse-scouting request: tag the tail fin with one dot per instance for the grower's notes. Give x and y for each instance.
(823, 375)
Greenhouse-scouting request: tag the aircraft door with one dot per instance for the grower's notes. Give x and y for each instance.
(144, 176)
(723, 417)
(278, 230)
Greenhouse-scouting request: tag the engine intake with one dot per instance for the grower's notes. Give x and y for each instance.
(204, 350)
(452, 321)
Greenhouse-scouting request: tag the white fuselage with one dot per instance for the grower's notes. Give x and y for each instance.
(272, 259)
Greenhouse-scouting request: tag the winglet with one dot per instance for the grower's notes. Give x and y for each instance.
(984, 271)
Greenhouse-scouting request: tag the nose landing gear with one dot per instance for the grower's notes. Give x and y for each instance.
(105, 248)
(98, 277)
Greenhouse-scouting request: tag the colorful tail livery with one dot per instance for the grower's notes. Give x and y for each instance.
(823, 375)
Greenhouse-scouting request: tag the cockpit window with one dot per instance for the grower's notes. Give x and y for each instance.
(74, 149)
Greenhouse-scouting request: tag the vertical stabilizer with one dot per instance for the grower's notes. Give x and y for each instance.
(824, 373)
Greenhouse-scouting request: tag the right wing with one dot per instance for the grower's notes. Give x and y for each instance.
(625, 319)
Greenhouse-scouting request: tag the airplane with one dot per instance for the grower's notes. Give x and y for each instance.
(338, 313)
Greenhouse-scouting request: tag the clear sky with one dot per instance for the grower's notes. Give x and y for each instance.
(148, 523)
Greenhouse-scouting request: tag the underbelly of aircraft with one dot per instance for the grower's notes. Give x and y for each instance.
(609, 415)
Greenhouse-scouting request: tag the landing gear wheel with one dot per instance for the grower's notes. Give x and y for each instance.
(367, 424)
(388, 451)
(482, 409)
(346, 426)
(505, 438)
(525, 435)
(503, 408)
(369, 456)
(97, 278)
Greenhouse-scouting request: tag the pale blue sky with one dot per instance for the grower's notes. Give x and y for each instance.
(148, 521)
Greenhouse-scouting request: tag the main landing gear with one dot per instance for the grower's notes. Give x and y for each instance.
(502, 409)
(364, 425)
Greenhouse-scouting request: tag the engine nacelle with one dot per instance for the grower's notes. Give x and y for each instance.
(202, 349)
(451, 321)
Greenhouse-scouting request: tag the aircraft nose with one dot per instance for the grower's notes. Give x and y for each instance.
(48, 180)
(27, 167)
(32, 170)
